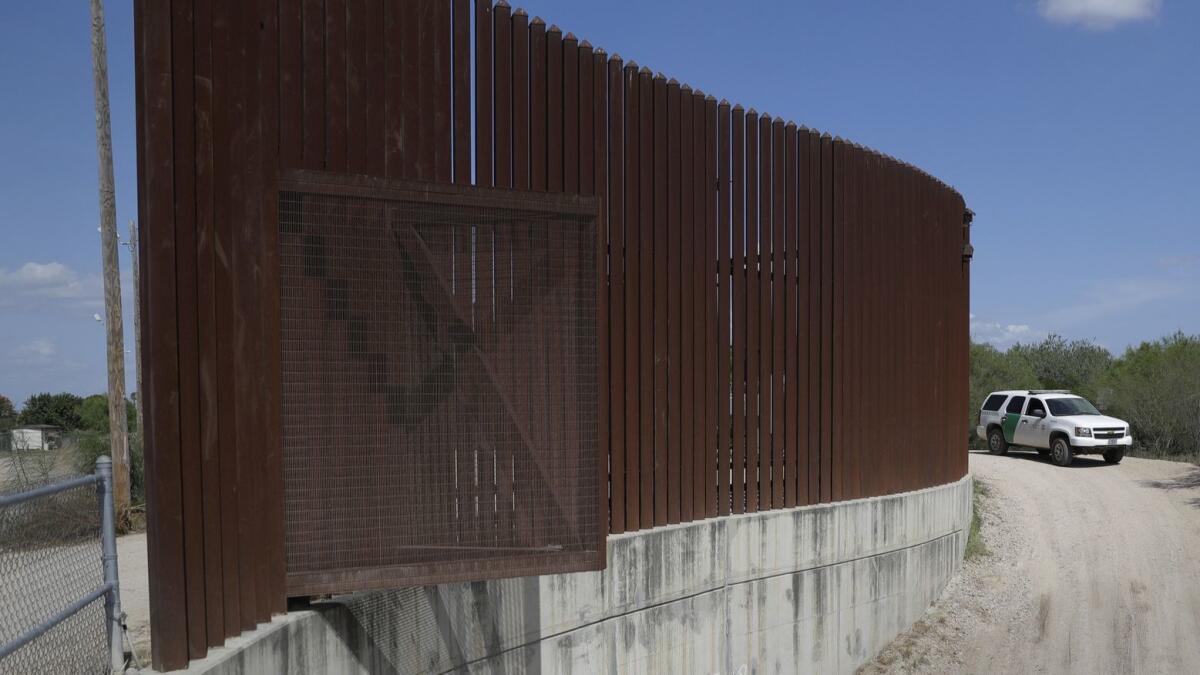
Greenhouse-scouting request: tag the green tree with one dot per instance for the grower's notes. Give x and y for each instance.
(993, 370)
(91, 439)
(93, 413)
(60, 410)
(8, 414)
(1077, 365)
(1156, 388)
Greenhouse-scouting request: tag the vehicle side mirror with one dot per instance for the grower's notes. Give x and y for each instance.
(1039, 413)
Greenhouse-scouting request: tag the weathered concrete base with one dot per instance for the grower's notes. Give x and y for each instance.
(817, 589)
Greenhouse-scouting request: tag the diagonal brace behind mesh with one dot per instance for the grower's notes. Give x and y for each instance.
(439, 371)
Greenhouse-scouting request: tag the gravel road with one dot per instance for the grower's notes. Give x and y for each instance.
(135, 591)
(1093, 569)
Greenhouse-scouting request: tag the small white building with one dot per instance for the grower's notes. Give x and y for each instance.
(34, 437)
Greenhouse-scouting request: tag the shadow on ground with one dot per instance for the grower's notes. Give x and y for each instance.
(1080, 462)
(1189, 480)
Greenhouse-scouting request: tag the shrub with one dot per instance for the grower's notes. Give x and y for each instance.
(1078, 365)
(60, 410)
(992, 370)
(88, 446)
(1156, 388)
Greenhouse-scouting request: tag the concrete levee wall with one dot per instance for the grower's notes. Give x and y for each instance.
(813, 589)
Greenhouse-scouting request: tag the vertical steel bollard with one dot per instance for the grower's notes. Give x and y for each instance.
(108, 538)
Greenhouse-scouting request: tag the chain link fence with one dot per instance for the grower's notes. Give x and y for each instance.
(58, 565)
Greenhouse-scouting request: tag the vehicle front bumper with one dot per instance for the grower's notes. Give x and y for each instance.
(1100, 443)
(981, 433)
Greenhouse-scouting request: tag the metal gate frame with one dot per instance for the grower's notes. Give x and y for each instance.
(321, 183)
(109, 589)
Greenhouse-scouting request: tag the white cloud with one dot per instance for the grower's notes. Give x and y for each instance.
(1003, 335)
(1098, 14)
(38, 352)
(35, 284)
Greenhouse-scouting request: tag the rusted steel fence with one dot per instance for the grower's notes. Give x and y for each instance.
(782, 315)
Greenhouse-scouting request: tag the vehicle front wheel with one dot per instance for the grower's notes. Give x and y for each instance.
(1115, 455)
(996, 443)
(1060, 452)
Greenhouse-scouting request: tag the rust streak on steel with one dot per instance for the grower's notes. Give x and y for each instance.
(738, 301)
(624, 461)
(724, 318)
(661, 274)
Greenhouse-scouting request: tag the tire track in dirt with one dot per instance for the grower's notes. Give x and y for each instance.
(1094, 568)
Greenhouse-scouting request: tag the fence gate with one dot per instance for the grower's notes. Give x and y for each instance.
(60, 609)
(439, 377)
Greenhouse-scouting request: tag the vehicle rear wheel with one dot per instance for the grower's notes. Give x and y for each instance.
(1115, 455)
(996, 443)
(1060, 452)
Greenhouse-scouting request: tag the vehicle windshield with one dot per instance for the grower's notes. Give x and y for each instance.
(1063, 407)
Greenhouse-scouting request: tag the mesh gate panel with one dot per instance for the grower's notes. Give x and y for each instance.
(439, 384)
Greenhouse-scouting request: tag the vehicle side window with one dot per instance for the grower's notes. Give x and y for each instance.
(1015, 404)
(993, 402)
(1036, 405)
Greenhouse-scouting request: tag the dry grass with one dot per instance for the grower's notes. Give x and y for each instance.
(975, 545)
(1147, 453)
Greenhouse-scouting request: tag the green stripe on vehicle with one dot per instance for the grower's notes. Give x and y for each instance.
(1009, 425)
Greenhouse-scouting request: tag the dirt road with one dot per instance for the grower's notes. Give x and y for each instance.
(1093, 569)
(135, 591)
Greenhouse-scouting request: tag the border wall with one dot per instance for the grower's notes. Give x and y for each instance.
(782, 315)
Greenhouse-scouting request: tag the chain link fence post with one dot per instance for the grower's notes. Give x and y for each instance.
(114, 617)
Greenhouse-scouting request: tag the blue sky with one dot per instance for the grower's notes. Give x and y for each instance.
(1068, 125)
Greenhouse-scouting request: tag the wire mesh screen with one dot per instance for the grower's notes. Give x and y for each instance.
(439, 385)
(50, 557)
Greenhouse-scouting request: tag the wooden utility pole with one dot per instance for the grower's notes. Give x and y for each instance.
(135, 263)
(112, 276)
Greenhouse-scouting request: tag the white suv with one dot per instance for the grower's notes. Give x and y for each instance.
(1053, 422)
